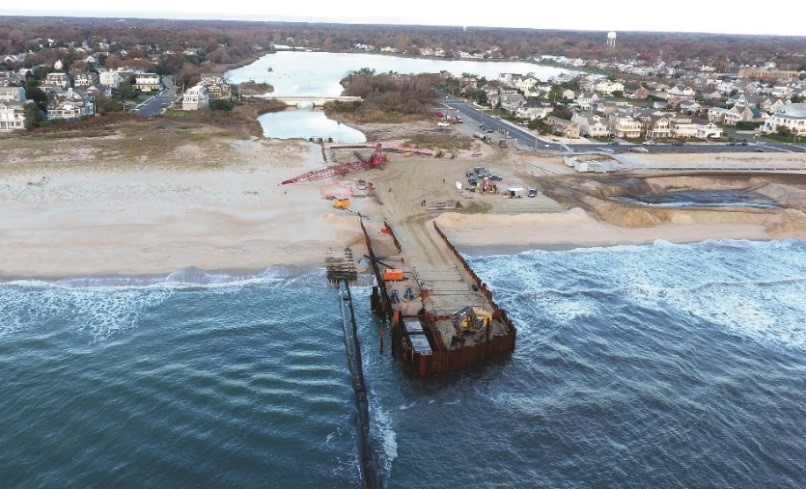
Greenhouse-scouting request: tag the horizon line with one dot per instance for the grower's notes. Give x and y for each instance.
(218, 17)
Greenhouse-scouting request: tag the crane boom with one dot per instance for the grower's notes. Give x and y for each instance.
(377, 159)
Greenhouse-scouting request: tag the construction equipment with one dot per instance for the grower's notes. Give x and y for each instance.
(471, 319)
(377, 159)
(502, 143)
(392, 275)
(341, 204)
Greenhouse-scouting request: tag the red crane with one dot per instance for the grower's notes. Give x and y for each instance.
(377, 159)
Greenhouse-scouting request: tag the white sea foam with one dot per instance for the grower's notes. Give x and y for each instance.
(102, 306)
(382, 428)
(756, 289)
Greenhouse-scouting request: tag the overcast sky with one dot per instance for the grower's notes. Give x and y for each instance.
(625, 15)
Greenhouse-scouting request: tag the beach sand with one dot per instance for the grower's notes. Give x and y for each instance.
(85, 206)
(82, 219)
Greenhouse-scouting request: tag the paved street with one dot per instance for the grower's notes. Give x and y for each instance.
(525, 139)
(158, 103)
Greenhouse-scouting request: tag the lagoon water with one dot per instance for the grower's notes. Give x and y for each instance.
(636, 366)
(301, 73)
(295, 73)
(307, 123)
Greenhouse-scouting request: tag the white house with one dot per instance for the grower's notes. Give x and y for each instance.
(110, 78)
(792, 117)
(12, 116)
(196, 98)
(586, 100)
(677, 94)
(568, 94)
(12, 94)
(591, 125)
(683, 127)
(60, 80)
(738, 114)
(657, 126)
(524, 83)
(87, 79)
(626, 127)
(710, 130)
(607, 87)
(534, 110)
(717, 114)
(70, 105)
(147, 82)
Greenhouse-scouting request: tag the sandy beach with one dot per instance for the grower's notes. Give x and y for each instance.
(77, 215)
(143, 203)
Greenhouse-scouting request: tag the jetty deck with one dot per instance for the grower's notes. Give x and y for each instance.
(436, 283)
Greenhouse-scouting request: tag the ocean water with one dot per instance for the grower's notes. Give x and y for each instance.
(662, 365)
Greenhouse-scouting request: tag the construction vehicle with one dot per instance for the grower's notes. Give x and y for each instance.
(377, 159)
(502, 143)
(471, 319)
(341, 204)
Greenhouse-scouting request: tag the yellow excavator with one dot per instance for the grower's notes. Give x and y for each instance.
(341, 204)
(471, 319)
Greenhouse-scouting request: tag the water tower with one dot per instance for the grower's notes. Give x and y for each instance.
(611, 41)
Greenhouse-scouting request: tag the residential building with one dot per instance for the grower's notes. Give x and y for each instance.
(534, 109)
(678, 94)
(689, 107)
(640, 93)
(717, 114)
(568, 94)
(70, 105)
(216, 87)
(110, 78)
(196, 98)
(12, 116)
(60, 80)
(657, 126)
(764, 74)
(12, 94)
(607, 87)
(591, 125)
(625, 127)
(738, 114)
(564, 128)
(525, 82)
(792, 117)
(710, 130)
(683, 128)
(11, 78)
(147, 82)
(510, 100)
(585, 101)
(87, 79)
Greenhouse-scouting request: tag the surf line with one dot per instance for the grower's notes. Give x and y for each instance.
(370, 472)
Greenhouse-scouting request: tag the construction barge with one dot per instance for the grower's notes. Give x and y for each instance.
(443, 316)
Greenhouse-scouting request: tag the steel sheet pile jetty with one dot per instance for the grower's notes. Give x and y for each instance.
(443, 316)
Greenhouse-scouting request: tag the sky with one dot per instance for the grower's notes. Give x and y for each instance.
(624, 15)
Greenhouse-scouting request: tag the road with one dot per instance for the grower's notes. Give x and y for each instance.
(525, 139)
(154, 105)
